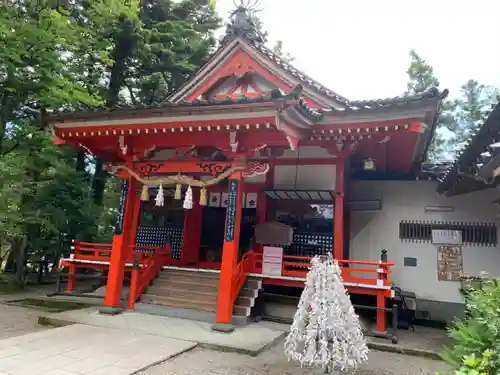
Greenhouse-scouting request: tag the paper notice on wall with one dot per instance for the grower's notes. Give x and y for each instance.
(214, 200)
(272, 261)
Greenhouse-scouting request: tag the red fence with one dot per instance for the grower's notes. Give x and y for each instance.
(146, 261)
(353, 271)
(89, 252)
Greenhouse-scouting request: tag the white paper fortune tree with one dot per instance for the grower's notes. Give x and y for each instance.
(326, 332)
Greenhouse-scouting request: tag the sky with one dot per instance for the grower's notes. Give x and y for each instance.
(359, 48)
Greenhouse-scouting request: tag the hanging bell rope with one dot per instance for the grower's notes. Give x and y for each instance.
(178, 192)
(203, 197)
(145, 193)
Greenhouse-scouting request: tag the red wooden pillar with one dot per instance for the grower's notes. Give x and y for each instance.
(230, 250)
(338, 223)
(119, 248)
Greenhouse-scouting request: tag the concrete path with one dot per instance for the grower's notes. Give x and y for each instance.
(85, 350)
(251, 339)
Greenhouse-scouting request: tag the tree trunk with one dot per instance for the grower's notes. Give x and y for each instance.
(20, 278)
(123, 50)
(99, 183)
(80, 161)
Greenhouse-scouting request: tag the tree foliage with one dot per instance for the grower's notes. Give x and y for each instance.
(460, 117)
(79, 54)
(421, 77)
(476, 338)
(471, 109)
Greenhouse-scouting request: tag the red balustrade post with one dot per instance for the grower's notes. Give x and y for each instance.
(381, 282)
(71, 277)
(134, 283)
(381, 325)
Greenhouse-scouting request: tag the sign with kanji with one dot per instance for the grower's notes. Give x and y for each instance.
(251, 200)
(272, 261)
(121, 208)
(446, 237)
(450, 263)
(232, 201)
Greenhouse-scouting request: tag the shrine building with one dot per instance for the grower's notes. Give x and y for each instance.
(237, 179)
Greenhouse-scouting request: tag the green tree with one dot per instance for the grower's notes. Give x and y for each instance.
(37, 42)
(471, 109)
(475, 340)
(421, 77)
(155, 45)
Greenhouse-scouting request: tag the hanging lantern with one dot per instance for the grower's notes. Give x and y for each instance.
(145, 193)
(178, 192)
(160, 199)
(188, 200)
(203, 197)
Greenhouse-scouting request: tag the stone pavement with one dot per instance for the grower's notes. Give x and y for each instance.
(78, 349)
(251, 339)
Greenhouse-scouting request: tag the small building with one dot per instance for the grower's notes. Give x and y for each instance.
(249, 140)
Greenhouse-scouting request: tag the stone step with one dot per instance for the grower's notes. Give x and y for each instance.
(182, 303)
(245, 292)
(253, 283)
(179, 293)
(245, 301)
(241, 311)
(186, 285)
(189, 278)
(191, 274)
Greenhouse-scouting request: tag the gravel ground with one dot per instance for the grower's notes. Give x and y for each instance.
(273, 362)
(16, 321)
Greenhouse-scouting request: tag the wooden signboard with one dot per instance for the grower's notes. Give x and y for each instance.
(121, 208)
(450, 265)
(272, 261)
(231, 210)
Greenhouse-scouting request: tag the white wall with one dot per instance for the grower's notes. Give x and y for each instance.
(405, 200)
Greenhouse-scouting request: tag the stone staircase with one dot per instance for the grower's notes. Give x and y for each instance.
(197, 291)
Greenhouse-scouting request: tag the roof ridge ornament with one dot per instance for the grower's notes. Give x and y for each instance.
(242, 22)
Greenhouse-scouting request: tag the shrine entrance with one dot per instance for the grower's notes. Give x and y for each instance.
(212, 235)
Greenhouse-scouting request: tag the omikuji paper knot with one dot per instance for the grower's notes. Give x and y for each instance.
(326, 332)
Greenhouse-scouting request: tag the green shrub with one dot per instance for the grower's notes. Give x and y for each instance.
(476, 338)
(472, 365)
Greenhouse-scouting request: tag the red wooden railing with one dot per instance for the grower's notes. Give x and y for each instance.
(97, 252)
(245, 267)
(89, 251)
(143, 276)
(353, 271)
(147, 262)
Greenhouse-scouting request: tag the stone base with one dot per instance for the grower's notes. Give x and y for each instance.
(224, 328)
(110, 310)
